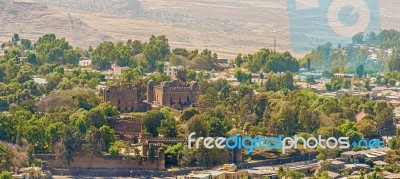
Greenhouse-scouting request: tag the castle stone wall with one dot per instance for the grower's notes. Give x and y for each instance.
(126, 98)
(104, 162)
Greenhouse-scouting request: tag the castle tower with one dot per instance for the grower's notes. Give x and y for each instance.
(150, 91)
(165, 94)
(161, 159)
(236, 154)
(180, 74)
(195, 92)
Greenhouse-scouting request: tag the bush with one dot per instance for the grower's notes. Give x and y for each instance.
(5, 175)
(113, 150)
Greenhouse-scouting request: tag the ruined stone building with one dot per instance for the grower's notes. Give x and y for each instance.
(126, 128)
(177, 93)
(126, 98)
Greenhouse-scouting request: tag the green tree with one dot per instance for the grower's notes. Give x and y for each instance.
(31, 155)
(15, 39)
(96, 118)
(108, 109)
(238, 60)
(348, 126)
(308, 119)
(282, 121)
(392, 82)
(135, 46)
(360, 70)
(188, 113)
(31, 58)
(198, 125)
(242, 76)
(174, 153)
(310, 79)
(5, 175)
(53, 132)
(152, 121)
(152, 153)
(72, 57)
(156, 50)
(180, 51)
(354, 136)
(358, 38)
(92, 146)
(107, 136)
(131, 74)
(26, 44)
(327, 132)
(68, 145)
(168, 127)
(294, 174)
(366, 127)
(394, 64)
(6, 158)
(102, 55)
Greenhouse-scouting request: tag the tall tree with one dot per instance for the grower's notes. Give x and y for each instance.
(152, 121)
(107, 136)
(92, 145)
(360, 70)
(68, 145)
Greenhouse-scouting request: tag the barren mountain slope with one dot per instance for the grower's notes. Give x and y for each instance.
(225, 26)
(31, 20)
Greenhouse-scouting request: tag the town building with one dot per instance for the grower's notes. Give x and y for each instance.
(263, 174)
(86, 62)
(348, 78)
(228, 171)
(117, 70)
(170, 70)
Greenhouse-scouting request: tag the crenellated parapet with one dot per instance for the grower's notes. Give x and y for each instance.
(118, 119)
(181, 89)
(166, 140)
(126, 98)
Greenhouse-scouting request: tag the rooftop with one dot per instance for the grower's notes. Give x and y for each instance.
(40, 80)
(380, 163)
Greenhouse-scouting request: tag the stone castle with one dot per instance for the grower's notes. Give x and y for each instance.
(126, 98)
(177, 94)
(130, 130)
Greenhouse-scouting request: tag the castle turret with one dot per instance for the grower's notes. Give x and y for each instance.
(150, 91)
(195, 91)
(161, 159)
(180, 74)
(165, 94)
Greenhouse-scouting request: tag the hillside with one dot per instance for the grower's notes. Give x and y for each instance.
(225, 26)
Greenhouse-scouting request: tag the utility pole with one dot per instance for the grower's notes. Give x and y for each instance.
(71, 28)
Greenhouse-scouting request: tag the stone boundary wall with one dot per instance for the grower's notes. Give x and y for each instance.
(104, 162)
